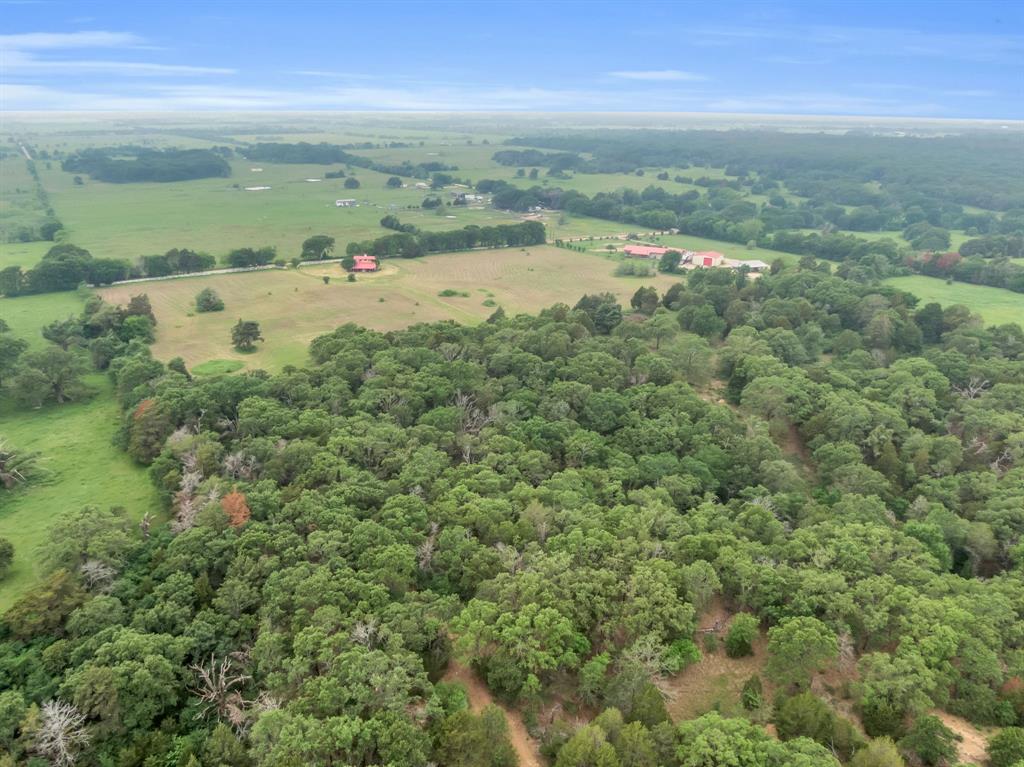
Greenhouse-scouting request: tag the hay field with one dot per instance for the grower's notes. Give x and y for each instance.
(294, 306)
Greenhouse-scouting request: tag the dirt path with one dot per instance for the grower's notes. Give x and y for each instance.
(479, 697)
(971, 748)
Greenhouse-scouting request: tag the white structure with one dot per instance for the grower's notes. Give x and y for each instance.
(345, 203)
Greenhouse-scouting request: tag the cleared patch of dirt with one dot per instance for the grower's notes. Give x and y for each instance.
(480, 697)
(972, 747)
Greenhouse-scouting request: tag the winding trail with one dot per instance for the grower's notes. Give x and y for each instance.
(480, 697)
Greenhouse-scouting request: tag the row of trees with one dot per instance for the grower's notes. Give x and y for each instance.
(326, 154)
(418, 243)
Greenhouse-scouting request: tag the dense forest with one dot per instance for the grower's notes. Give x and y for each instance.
(983, 170)
(128, 164)
(556, 500)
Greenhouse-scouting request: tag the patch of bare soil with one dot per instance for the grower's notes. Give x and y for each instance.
(480, 697)
(972, 746)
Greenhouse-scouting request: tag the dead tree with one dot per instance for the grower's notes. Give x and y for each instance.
(61, 733)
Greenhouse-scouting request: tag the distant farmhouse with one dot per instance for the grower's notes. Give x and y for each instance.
(345, 203)
(365, 263)
(691, 259)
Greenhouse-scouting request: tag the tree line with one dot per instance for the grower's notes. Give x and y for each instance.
(123, 165)
(326, 154)
(419, 243)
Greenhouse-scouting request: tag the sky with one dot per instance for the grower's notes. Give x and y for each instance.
(954, 59)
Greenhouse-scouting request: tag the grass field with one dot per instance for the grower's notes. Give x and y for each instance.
(995, 305)
(294, 306)
(83, 466)
(19, 201)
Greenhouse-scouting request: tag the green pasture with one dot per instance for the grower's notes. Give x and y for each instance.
(996, 306)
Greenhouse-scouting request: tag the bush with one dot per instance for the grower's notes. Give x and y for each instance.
(752, 696)
(931, 741)
(680, 654)
(1007, 748)
(742, 633)
(633, 269)
(450, 292)
(207, 300)
(351, 183)
(6, 556)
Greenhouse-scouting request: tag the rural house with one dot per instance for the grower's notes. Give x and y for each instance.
(365, 263)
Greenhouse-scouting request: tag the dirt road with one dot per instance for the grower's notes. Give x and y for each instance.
(480, 696)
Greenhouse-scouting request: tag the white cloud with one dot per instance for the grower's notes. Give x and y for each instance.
(658, 75)
(16, 62)
(68, 40)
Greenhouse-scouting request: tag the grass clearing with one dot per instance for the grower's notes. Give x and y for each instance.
(75, 442)
(996, 306)
(294, 306)
(217, 367)
(28, 314)
(83, 466)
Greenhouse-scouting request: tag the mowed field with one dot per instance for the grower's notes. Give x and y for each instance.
(995, 305)
(294, 306)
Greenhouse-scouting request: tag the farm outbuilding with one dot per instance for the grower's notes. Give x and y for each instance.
(708, 258)
(345, 203)
(644, 251)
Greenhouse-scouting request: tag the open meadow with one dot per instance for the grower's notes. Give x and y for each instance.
(995, 305)
(293, 306)
(79, 461)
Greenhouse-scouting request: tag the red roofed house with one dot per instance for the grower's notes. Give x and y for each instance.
(365, 263)
(644, 251)
(708, 258)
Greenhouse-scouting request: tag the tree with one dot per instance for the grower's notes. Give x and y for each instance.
(235, 508)
(245, 334)
(394, 182)
(469, 740)
(669, 262)
(930, 741)
(881, 752)
(16, 466)
(351, 182)
(1006, 749)
(798, 647)
(741, 635)
(6, 556)
(61, 734)
(645, 300)
(64, 333)
(317, 247)
(50, 374)
(11, 348)
(207, 300)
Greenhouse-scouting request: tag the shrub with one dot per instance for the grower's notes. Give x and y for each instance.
(742, 633)
(752, 696)
(6, 556)
(1007, 748)
(680, 654)
(207, 300)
